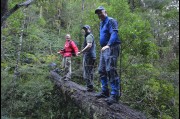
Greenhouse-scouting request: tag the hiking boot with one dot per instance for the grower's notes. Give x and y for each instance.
(102, 94)
(56, 70)
(90, 88)
(112, 99)
(63, 77)
(67, 78)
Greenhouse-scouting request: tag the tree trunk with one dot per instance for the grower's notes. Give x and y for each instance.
(40, 13)
(5, 14)
(132, 6)
(95, 108)
(19, 47)
(4, 7)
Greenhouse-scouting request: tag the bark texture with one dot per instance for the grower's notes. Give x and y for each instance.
(95, 108)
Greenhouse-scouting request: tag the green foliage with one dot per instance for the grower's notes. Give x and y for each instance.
(148, 72)
(173, 66)
(160, 91)
(42, 22)
(171, 14)
(156, 4)
(31, 56)
(166, 117)
(33, 96)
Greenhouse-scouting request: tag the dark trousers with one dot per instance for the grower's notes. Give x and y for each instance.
(88, 70)
(107, 70)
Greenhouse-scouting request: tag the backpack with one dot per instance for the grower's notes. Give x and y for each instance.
(73, 52)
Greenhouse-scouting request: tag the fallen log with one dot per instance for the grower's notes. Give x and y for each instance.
(15, 8)
(95, 108)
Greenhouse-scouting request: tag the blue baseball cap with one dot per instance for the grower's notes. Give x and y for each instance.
(86, 27)
(99, 9)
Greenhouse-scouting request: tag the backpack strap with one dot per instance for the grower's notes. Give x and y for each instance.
(91, 35)
(73, 51)
(70, 42)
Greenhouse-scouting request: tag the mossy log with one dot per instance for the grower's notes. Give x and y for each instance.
(95, 108)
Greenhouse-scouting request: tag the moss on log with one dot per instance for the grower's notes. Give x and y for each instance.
(95, 108)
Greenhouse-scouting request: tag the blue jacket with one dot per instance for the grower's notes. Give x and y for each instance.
(109, 32)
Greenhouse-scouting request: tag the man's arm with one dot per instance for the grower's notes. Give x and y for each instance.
(89, 41)
(88, 46)
(73, 45)
(113, 30)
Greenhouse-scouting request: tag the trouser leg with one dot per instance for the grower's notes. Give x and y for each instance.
(63, 62)
(68, 67)
(88, 71)
(111, 57)
(115, 87)
(104, 84)
(114, 79)
(103, 74)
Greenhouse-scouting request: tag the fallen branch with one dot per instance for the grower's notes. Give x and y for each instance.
(15, 8)
(95, 108)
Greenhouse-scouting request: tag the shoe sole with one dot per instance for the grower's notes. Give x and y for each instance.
(102, 96)
(110, 102)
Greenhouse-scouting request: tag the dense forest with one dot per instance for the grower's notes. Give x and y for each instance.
(148, 64)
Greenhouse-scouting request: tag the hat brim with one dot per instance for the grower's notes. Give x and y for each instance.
(98, 10)
(85, 27)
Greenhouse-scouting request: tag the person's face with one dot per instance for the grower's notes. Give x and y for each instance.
(67, 37)
(101, 14)
(83, 32)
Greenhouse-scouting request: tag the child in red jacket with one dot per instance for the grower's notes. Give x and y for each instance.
(69, 47)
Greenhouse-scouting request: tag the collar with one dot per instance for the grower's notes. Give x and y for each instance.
(87, 34)
(106, 18)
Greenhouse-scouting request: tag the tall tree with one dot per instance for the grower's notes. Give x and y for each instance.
(4, 7)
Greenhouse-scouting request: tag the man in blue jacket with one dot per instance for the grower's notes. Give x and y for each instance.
(110, 43)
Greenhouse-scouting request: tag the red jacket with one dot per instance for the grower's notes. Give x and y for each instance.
(69, 46)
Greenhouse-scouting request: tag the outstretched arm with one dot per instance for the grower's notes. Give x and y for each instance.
(88, 46)
(89, 40)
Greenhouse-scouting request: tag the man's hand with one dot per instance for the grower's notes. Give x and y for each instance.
(105, 47)
(78, 53)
